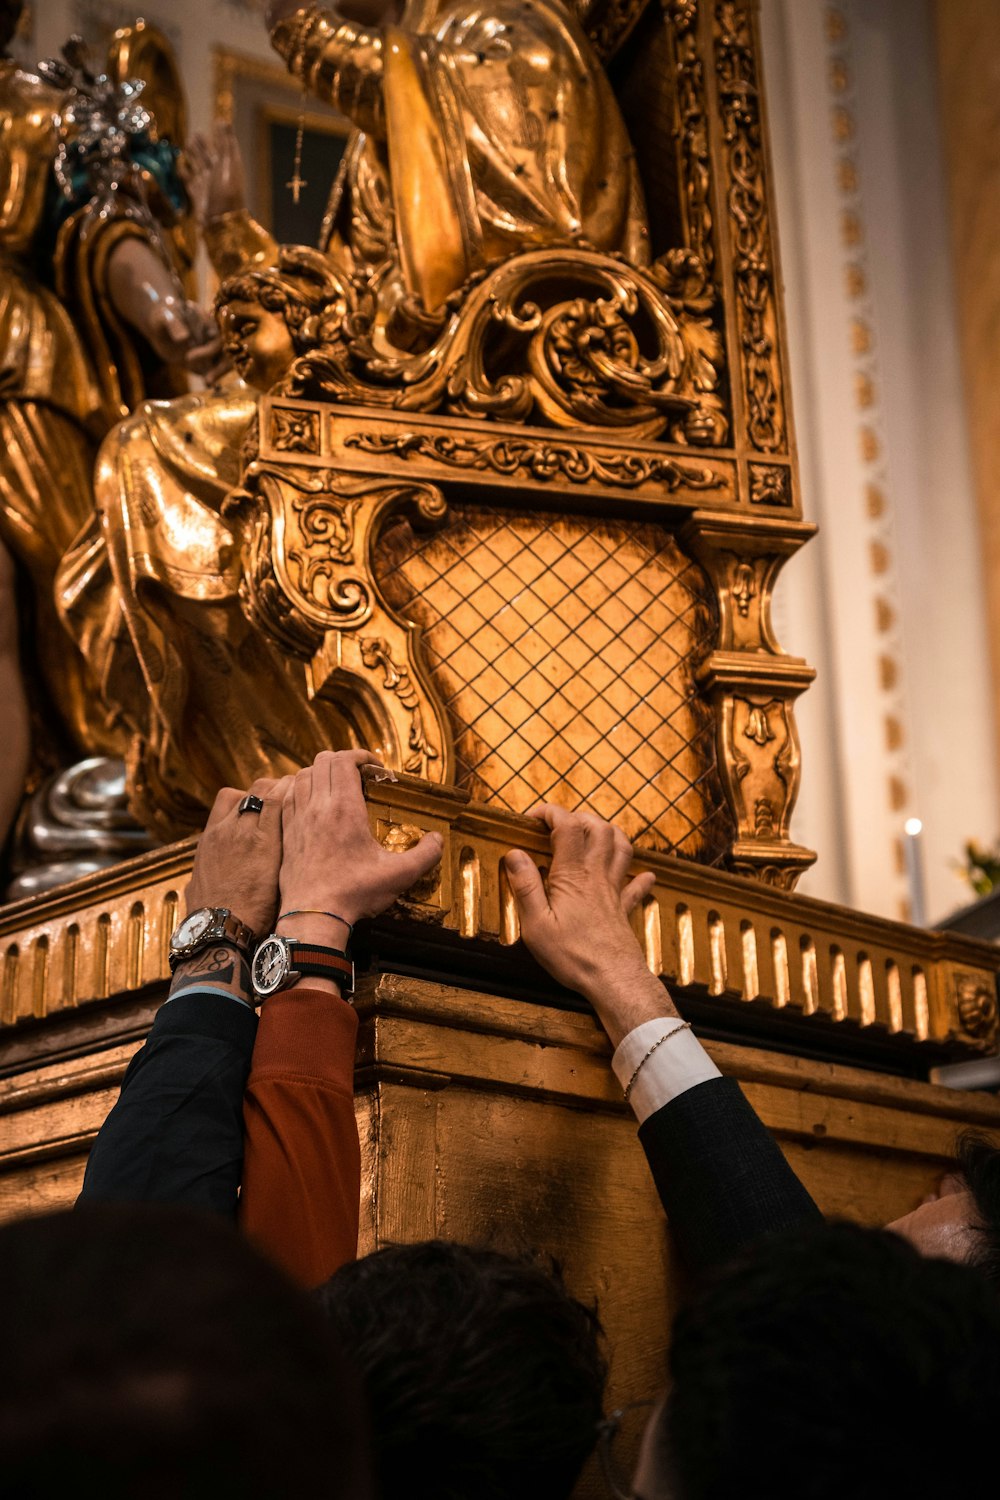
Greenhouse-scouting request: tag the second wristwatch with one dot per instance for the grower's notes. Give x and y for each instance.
(281, 962)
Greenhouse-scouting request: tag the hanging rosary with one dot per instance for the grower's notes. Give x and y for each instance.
(297, 182)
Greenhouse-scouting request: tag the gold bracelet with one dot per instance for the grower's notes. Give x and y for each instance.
(313, 911)
(684, 1026)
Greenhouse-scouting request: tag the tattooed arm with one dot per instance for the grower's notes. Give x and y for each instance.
(176, 1132)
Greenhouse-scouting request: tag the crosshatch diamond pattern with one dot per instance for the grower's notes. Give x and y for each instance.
(565, 651)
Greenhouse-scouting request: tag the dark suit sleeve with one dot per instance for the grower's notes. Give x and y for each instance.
(721, 1178)
(176, 1133)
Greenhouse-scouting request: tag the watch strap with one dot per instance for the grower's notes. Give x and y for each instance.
(305, 960)
(310, 957)
(238, 933)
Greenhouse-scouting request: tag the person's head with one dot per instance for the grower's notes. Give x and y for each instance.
(829, 1362)
(149, 1352)
(961, 1221)
(978, 1173)
(270, 316)
(484, 1376)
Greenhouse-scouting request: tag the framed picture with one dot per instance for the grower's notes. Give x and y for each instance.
(266, 108)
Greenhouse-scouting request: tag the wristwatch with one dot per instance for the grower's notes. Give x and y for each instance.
(280, 962)
(205, 926)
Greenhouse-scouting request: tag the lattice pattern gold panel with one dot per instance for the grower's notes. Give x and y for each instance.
(565, 651)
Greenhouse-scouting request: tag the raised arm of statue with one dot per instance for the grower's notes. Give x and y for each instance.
(492, 130)
(216, 181)
(339, 61)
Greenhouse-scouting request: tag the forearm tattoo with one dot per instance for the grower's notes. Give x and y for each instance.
(223, 966)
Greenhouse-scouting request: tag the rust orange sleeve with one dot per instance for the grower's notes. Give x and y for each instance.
(301, 1187)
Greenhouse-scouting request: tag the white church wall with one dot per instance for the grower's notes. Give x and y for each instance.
(888, 602)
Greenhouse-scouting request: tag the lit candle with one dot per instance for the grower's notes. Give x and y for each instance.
(913, 850)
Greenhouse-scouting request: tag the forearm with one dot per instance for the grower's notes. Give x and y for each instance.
(176, 1133)
(626, 996)
(302, 1177)
(338, 61)
(720, 1175)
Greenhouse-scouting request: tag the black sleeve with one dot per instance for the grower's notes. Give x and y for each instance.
(721, 1178)
(176, 1133)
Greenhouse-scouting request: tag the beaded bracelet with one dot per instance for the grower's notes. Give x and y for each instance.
(684, 1026)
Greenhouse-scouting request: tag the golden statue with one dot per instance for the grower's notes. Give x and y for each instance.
(484, 131)
(207, 699)
(488, 198)
(93, 317)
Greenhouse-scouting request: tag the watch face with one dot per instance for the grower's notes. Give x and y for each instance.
(192, 928)
(271, 966)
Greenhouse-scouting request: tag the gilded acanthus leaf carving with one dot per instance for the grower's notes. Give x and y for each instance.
(754, 274)
(376, 655)
(566, 338)
(757, 727)
(744, 587)
(693, 130)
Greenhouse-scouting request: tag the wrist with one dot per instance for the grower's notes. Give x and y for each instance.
(325, 928)
(343, 904)
(222, 966)
(625, 997)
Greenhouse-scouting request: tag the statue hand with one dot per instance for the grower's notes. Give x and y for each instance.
(204, 355)
(213, 174)
(280, 10)
(148, 295)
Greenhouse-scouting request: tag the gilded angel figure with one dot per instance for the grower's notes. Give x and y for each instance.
(93, 318)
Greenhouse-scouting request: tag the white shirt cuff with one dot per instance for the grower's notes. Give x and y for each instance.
(676, 1066)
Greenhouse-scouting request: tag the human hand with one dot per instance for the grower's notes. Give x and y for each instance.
(213, 173)
(576, 921)
(330, 859)
(239, 854)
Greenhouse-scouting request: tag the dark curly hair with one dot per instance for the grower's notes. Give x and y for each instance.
(833, 1361)
(484, 1377)
(302, 287)
(979, 1165)
(150, 1351)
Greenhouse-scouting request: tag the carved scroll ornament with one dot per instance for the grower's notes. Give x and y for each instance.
(307, 536)
(564, 338)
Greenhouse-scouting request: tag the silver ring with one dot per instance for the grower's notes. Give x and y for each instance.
(249, 804)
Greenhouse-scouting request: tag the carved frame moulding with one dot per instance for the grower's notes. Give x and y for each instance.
(744, 950)
(575, 468)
